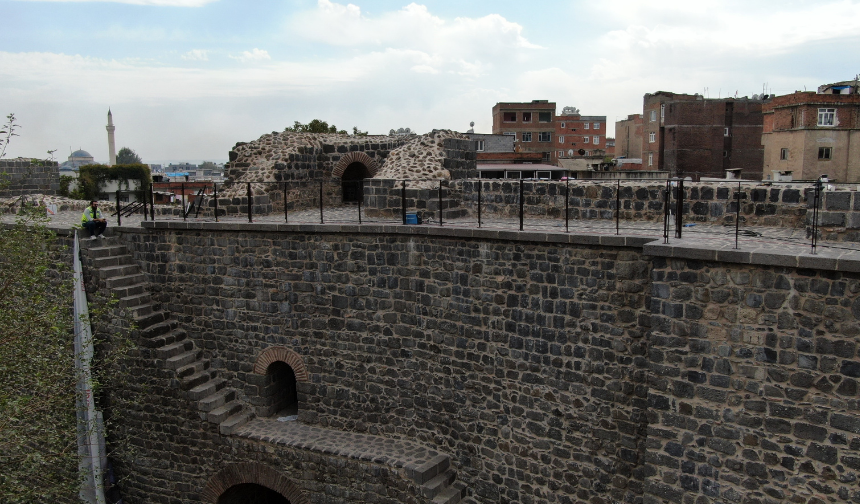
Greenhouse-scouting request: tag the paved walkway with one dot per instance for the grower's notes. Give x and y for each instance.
(705, 235)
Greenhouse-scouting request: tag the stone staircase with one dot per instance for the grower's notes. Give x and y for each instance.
(437, 480)
(113, 270)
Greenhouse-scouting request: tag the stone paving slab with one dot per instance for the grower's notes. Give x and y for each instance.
(366, 447)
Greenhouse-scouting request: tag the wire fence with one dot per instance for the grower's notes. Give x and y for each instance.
(671, 208)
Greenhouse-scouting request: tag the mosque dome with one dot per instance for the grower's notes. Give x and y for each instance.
(81, 154)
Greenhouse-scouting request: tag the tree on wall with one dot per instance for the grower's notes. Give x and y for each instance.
(315, 126)
(127, 156)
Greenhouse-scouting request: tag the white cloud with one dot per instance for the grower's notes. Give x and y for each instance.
(253, 55)
(159, 3)
(196, 55)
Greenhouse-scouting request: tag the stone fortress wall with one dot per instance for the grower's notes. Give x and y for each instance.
(26, 176)
(553, 368)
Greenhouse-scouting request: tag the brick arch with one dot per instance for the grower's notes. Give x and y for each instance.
(283, 354)
(251, 472)
(355, 157)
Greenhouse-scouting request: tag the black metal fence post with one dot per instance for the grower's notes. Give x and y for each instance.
(566, 205)
(322, 221)
(151, 202)
(666, 194)
(118, 210)
(618, 207)
(737, 214)
(816, 203)
(403, 200)
(250, 203)
(521, 204)
(182, 188)
(144, 203)
(480, 183)
(440, 203)
(215, 191)
(679, 208)
(286, 215)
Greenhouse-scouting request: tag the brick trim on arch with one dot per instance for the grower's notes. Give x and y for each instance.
(251, 472)
(283, 354)
(355, 157)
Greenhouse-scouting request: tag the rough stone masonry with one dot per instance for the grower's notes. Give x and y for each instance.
(552, 368)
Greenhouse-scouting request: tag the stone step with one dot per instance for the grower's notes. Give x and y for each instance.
(118, 271)
(135, 300)
(451, 495)
(235, 421)
(217, 399)
(183, 359)
(195, 380)
(106, 251)
(141, 310)
(224, 411)
(438, 483)
(173, 349)
(428, 470)
(165, 339)
(192, 369)
(206, 389)
(130, 290)
(117, 260)
(158, 329)
(125, 280)
(107, 241)
(157, 316)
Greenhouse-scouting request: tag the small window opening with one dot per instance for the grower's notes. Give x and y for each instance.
(280, 390)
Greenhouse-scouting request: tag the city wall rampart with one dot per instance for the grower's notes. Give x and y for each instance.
(552, 367)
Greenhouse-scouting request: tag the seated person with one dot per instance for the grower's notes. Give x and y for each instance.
(93, 221)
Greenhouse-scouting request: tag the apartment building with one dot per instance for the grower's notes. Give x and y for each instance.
(811, 134)
(691, 136)
(628, 137)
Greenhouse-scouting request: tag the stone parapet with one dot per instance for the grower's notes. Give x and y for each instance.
(26, 176)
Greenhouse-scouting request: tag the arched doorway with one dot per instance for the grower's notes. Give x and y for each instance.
(251, 493)
(351, 182)
(281, 390)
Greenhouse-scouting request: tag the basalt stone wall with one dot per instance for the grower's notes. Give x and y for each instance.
(29, 177)
(551, 368)
(524, 361)
(753, 384)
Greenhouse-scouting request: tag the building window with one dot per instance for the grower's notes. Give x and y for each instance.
(510, 133)
(546, 156)
(595, 140)
(783, 154)
(563, 125)
(509, 117)
(826, 117)
(825, 153)
(544, 136)
(560, 153)
(527, 117)
(662, 112)
(725, 153)
(650, 159)
(479, 145)
(585, 140)
(652, 137)
(585, 126)
(545, 116)
(561, 139)
(527, 136)
(725, 132)
(653, 115)
(596, 125)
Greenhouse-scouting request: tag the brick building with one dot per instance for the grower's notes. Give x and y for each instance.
(812, 134)
(628, 137)
(688, 135)
(537, 129)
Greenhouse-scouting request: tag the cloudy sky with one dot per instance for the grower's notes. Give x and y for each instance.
(186, 79)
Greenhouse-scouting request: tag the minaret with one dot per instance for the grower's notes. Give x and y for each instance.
(111, 144)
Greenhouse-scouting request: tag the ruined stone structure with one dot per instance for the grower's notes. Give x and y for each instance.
(434, 365)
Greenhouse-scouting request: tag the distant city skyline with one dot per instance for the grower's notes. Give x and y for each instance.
(187, 79)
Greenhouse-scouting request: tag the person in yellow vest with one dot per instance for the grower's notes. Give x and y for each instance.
(93, 221)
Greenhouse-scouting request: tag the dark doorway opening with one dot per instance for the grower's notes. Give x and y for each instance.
(351, 182)
(281, 392)
(251, 493)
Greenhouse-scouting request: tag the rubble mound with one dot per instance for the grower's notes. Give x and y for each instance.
(420, 159)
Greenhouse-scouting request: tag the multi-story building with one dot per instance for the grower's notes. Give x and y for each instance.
(536, 128)
(688, 135)
(531, 124)
(628, 137)
(812, 134)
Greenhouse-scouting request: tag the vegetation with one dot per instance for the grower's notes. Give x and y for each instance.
(318, 126)
(126, 156)
(92, 179)
(7, 132)
(65, 182)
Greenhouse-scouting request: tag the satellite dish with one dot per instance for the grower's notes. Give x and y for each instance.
(581, 152)
(472, 124)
